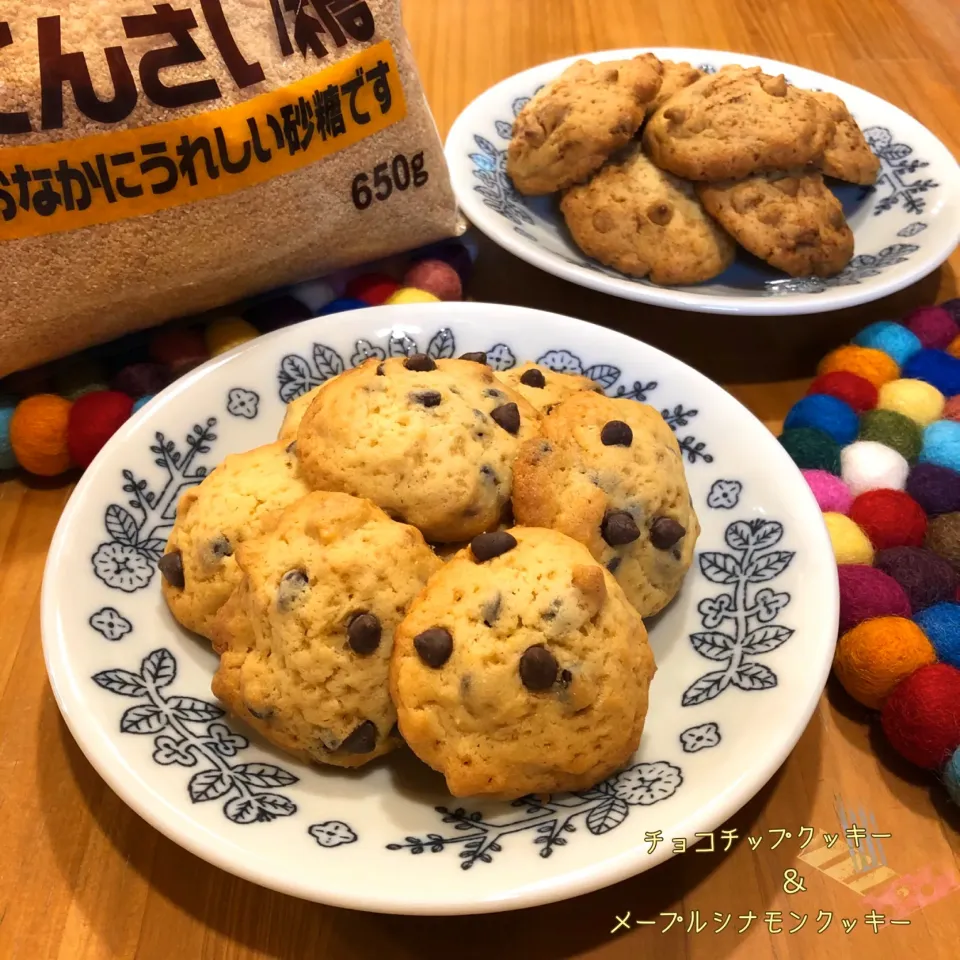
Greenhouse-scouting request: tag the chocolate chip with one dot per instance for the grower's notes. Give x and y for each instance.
(380, 372)
(533, 378)
(507, 415)
(551, 612)
(420, 362)
(292, 447)
(618, 528)
(362, 739)
(614, 565)
(616, 433)
(363, 633)
(171, 566)
(665, 532)
(486, 546)
(494, 394)
(538, 668)
(264, 714)
(434, 646)
(221, 547)
(292, 584)
(490, 611)
(478, 357)
(426, 398)
(488, 473)
(566, 678)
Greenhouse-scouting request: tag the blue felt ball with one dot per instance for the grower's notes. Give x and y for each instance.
(893, 339)
(941, 444)
(951, 776)
(935, 367)
(941, 624)
(141, 402)
(341, 305)
(824, 412)
(7, 460)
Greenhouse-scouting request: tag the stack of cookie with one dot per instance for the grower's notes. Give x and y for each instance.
(662, 167)
(435, 553)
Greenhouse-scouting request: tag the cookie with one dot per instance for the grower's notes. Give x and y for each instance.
(573, 124)
(432, 442)
(609, 473)
(675, 77)
(734, 123)
(542, 387)
(521, 668)
(238, 500)
(295, 411)
(636, 218)
(791, 220)
(305, 640)
(848, 155)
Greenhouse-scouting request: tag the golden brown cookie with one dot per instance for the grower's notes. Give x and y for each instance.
(432, 442)
(295, 411)
(521, 668)
(791, 220)
(305, 640)
(675, 77)
(542, 387)
(736, 122)
(238, 500)
(574, 123)
(848, 155)
(609, 473)
(636, 218)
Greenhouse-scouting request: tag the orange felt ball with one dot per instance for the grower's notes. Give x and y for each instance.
(94, 419)
(873, 365)
(953, 348)
(38, 434)
(890, 518)
(873, 657)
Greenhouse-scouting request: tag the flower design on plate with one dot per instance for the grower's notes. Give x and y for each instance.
(897, 165)
(110, 623)
(122, 566)
(500, 357)
(724, 494)
(703, 737)
(333, 833)
(647, 783)
(243, 403)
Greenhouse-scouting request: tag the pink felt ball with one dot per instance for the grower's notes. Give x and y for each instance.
(833, 495)
(435, 277)
(866, 592)
(933, 327)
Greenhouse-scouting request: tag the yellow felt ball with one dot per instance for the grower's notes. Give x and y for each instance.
(38, 434)
(915, 399)
(850, 543)
(873, 657)
(411, 295)
(873, 365)
(226, 333)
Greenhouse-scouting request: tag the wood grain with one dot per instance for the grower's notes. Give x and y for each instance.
(83, 878)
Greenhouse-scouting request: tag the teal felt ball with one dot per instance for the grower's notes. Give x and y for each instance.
(941, 624)
(893, 339)
(812, 449)
(7, 460)
(824, 412)
(141, 402)
(951, 776)
(941, 444)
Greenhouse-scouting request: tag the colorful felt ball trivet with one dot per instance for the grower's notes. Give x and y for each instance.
(59, 416)
(877, 438)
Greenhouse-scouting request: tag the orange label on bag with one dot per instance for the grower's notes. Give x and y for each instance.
(56, 187)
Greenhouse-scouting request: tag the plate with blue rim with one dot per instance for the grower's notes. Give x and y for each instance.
(742, 653)
(904, 226)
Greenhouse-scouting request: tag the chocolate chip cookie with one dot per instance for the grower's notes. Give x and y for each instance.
(848, 155)
(734, 123)
(791, 220)
(432, 442)
(305, 640)
(636, 218)
(295, 411)
(542, 387)
(675, 77)
(573, 124)
(521, 668)
(609, 473)
(238, 500)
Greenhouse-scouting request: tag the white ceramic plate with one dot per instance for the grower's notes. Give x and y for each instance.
(743, 653)
(904, 227)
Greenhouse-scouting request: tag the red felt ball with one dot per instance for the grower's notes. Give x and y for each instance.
(890, 518)
(178, 348)
(372, 288)
(921, 717)
(860, 393)
(435, 277)
(94, 419)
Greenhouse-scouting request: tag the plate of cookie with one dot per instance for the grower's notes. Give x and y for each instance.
(706, 181)
(439, 609)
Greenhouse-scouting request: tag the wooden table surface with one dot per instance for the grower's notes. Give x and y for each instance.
(83, 878)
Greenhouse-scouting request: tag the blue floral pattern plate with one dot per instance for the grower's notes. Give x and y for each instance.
(904, 226)
(742, 653)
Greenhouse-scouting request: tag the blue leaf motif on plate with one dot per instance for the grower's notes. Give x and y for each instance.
(897, 166)
(442, 345)
(603, 373)
(364, 350)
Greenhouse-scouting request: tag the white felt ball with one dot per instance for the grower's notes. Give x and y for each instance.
(868, 465)
(314, 294)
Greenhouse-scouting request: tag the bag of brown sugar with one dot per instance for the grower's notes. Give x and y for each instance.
(162, 159)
